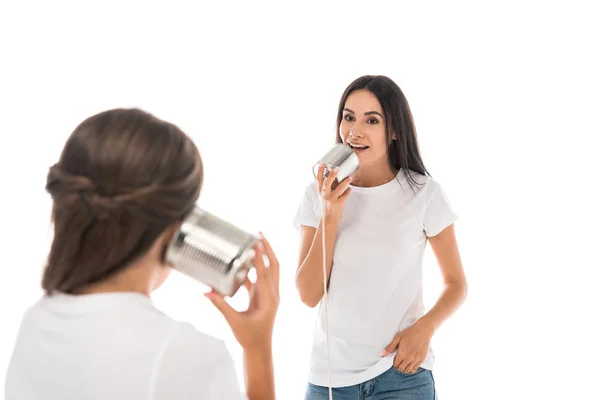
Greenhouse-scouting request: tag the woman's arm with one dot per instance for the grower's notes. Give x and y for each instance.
(454, 293)
(309, 275)
(412, 343)
(260, 381)
(253, 329)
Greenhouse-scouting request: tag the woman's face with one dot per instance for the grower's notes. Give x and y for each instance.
(363, 127)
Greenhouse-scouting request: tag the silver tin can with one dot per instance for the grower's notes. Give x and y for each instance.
(212, 251)
(341, 156)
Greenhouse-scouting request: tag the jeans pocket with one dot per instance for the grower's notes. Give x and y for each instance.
(408, 374)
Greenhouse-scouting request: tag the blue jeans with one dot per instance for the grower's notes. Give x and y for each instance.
(392, 384)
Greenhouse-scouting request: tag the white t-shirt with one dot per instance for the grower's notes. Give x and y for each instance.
(114, 346)
(375, 288)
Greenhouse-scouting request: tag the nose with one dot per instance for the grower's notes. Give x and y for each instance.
(354, 134)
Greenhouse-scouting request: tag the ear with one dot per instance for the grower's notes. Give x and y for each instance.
(159, 253)
(164, 240)
(394, 137)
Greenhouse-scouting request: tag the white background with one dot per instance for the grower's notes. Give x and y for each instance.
(506, 103)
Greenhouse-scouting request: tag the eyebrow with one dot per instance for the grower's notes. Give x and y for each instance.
(367, 113)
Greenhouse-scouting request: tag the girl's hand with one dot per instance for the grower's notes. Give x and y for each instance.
(335, 196)
(253, 328)
(411, 345)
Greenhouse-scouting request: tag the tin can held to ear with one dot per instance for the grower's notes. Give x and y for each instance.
(341, 156)
(212, 251)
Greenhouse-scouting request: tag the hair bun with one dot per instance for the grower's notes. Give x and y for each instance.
(60, 182)
(68, 190)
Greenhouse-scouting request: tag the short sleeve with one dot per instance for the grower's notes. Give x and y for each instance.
(309, 210)
(195, 366)
(438, 211)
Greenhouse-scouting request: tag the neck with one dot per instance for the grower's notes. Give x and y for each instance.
(134, 278)
(374, 174)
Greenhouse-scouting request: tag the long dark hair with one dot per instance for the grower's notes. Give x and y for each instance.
(403, 153)
(123, 177)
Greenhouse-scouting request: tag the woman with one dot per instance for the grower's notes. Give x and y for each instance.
(123, 185)
(377, 224)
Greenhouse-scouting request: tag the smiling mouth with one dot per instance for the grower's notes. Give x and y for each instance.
(358, 148)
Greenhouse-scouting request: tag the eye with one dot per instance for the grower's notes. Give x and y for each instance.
(372, 121)
(349, 117)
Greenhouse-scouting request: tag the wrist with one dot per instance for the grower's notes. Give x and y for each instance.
(258, 367)
(426, 324)
(332, 219)
(257, 359)
(259, 349)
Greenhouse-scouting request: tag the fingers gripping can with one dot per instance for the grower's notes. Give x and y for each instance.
(341, 156)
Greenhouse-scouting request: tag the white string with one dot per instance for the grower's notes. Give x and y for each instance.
(325, 291)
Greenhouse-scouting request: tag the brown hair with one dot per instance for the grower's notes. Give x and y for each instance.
(404, 152)
(123, 177)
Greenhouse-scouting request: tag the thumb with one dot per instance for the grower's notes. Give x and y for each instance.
(219, 301)
(390, 347)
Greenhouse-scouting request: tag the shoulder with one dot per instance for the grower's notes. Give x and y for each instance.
(423, 183)
(311, 190)
(311, 195)
(187, 352)
(196, 365)
(30, 319)
(186, 341)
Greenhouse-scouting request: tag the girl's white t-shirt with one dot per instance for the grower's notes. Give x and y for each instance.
(376, 281)
(115, 346)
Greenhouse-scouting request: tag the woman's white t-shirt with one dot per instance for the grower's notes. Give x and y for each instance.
(376, 280)
(114, 346)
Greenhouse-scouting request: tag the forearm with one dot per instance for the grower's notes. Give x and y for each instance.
(452, 296)
(309, 278)
(260, 381)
